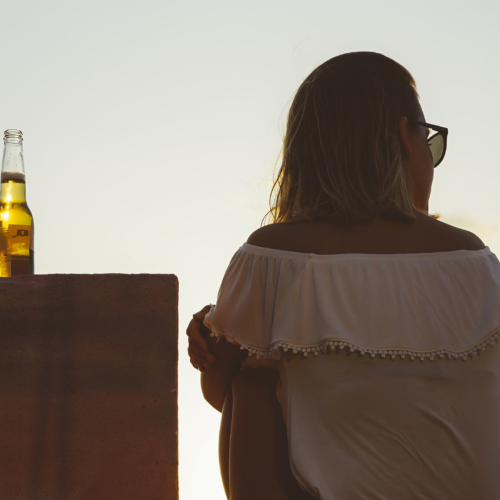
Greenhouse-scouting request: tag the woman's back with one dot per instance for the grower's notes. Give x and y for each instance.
(382, 428)
(363, 418)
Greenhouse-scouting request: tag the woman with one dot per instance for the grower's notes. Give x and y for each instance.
(374, 316)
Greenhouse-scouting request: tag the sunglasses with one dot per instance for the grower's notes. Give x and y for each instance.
(437, 142)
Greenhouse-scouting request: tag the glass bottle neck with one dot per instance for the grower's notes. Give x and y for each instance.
(13, 184)
(13, 158)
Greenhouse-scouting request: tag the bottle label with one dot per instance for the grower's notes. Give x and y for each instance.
(18, 237)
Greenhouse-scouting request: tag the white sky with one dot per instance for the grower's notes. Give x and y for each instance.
(151, 129)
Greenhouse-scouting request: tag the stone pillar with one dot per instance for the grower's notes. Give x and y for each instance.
(88, 387)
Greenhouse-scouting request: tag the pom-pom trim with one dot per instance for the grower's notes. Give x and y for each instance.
(383, 353)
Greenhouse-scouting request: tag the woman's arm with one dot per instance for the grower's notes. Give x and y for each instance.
(217, 360)
(215, 381)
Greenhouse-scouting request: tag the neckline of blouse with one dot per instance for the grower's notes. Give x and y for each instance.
(273, 252)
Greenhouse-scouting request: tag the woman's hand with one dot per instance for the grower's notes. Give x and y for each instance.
(216, 371)
(200, 356)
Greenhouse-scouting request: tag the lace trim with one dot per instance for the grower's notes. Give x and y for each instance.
(341, 344)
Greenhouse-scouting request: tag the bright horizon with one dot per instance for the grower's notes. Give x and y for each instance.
(151, 129)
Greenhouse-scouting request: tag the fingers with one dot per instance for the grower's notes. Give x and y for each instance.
(195, 332)
(198, 361)
(200, 353)
(200, 315)
(199, 367)
(200, 358)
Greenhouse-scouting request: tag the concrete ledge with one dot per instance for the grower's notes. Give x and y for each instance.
(88, 387)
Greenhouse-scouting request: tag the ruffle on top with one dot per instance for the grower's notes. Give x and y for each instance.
(424, 305)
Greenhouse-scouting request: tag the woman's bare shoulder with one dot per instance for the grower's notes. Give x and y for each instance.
(461, 238)
(265, 235)
(298, 237)
(428, 235)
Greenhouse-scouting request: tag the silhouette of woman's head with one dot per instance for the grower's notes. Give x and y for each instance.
(343, 156)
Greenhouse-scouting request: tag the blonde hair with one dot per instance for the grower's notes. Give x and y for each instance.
(342, 157)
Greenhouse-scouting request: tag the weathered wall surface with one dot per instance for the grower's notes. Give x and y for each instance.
(88, 387)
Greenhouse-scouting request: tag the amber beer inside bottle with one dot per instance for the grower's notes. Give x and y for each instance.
(16, 221)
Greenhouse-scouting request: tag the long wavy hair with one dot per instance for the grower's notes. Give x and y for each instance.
(342, 155)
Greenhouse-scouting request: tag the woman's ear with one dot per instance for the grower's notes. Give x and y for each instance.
(404, 136)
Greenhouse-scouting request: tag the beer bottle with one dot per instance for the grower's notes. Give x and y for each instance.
(16, 221)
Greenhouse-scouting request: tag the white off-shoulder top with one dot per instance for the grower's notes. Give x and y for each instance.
(393, 391)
